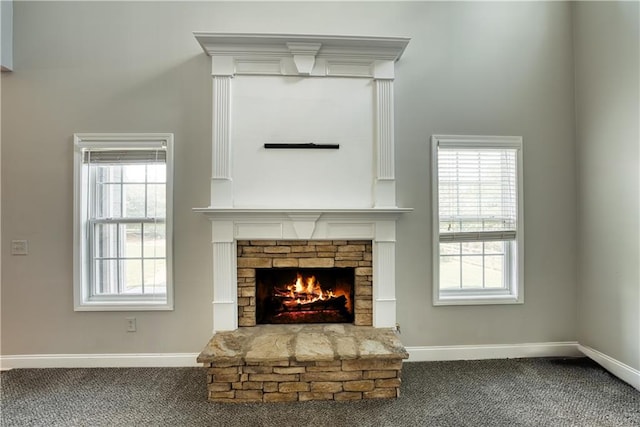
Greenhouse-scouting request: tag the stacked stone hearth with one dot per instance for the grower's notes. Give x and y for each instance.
(285, 363)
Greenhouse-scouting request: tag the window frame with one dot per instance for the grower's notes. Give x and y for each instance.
(82, 285)
(514, 293)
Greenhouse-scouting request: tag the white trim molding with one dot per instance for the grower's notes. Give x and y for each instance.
(416, 354)
(493, 351)
(221, 182)
(113, 360)
(625, 372)
(301, 54)
(230, 225)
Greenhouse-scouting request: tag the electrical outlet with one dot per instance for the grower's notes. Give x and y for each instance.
(19, 247)
(131, 324)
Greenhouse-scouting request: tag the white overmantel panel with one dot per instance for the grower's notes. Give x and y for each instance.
(285, 109)
(336, 109)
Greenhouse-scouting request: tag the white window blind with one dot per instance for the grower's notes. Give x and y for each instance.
(115, 156)
(477, 194)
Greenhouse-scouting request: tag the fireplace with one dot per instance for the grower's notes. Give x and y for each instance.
(297, 244)
(304, 295)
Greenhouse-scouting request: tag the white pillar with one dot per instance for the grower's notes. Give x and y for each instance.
(384, 275)
(225, 277)
(385, 184)
(221, 183)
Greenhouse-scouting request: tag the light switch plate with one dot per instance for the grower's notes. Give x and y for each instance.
(19, 247)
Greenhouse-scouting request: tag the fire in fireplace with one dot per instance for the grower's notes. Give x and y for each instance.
(304, 295)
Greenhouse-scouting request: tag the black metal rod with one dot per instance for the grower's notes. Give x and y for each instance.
(308, 145)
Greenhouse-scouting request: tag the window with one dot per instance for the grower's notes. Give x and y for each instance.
(477, 220)
(123, 227)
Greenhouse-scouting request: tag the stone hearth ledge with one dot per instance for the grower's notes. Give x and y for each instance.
(302, 343)
(288, 363)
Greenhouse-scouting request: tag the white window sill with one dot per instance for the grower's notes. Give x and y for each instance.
(477, 300)
(124, 306)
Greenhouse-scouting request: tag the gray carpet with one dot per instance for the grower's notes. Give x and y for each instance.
(516, 392)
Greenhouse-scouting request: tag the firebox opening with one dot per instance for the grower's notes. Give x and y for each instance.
(304, 295)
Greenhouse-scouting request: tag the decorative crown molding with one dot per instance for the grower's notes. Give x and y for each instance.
(292, 54)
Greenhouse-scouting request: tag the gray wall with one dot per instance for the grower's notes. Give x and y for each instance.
(608, 144)
(471, 68)
(6, 34)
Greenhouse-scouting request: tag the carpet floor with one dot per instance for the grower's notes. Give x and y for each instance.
(513, 392)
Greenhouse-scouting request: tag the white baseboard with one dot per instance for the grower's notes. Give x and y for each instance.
(141, 360)
(496, 351)
(625, 372)
(416, 354)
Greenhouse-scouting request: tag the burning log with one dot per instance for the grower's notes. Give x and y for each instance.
(334, 303)
(281, 293)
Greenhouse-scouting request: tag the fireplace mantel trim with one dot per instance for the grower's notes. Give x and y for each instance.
(238, 223)
(301, 54)
(250, 213)
(233, 224)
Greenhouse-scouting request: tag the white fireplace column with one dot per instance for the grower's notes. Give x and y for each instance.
(271, 58)
(384, 275)
(385, 185)
(221, 183)
(225, 276)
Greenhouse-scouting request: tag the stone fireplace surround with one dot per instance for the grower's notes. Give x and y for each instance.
(329, 89)
(229, 226)
(253, 254)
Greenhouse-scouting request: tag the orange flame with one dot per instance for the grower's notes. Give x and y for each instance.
(308, 290)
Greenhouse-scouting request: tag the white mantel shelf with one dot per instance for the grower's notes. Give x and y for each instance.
(262, 212)
(303, 223)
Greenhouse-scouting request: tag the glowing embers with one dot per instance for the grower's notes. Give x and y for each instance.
(304, 295)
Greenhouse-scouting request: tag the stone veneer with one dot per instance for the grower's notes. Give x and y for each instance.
(285, 363)
(254, 254)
